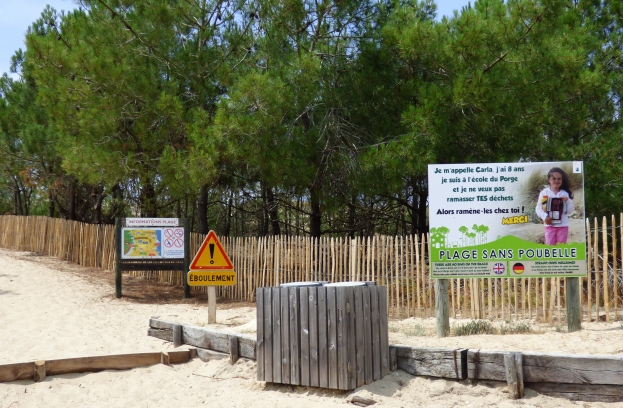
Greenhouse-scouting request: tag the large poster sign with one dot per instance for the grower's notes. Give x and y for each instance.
(507, 220)
(152, 243)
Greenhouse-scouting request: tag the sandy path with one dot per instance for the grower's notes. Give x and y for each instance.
(52, 309)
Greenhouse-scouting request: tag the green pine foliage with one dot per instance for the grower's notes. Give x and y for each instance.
(255, 117)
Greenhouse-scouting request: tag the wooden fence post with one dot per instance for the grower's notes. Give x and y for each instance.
(118, 257)
(40, 371)
(441, 307)
(574, 309)
(186, 225)
(513, 365)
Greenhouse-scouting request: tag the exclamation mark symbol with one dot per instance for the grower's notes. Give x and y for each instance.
(211, 254)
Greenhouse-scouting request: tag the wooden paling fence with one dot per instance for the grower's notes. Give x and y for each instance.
(400, 263)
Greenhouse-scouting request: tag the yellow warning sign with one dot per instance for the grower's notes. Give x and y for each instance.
(211, 256)
(207, 278)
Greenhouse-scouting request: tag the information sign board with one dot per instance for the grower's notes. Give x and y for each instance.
(498, 220)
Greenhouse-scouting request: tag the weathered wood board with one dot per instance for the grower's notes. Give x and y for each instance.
(434, 362)
(580, 392)
(24, 371)
(540, 367)
(17, 371)
(203, 338)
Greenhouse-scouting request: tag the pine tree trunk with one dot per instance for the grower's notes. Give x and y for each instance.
(273, 212)
(51, 207)
(149, 201)
(315, 218)
(72, 200)
(202, 210)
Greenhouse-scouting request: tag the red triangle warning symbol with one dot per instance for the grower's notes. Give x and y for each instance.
(211, 256)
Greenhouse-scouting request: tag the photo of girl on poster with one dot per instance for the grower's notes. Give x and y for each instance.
(553, 206)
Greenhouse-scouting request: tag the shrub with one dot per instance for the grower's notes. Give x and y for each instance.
(418, 330)
(519, 328)
(474, 327)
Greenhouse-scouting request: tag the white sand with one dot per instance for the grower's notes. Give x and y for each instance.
(52, 309)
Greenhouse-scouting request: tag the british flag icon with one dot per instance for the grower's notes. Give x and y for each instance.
(498, 268)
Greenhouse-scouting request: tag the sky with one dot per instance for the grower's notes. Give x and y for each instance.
(17, 15)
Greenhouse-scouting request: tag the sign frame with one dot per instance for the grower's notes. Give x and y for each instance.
(151, 263)
(490, 199)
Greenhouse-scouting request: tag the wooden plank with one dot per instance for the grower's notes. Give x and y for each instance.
(383, 330)
(277, 377)
(203, 337)
(323, 339)
(393, 360)
(351, 342)
(305, 337)
(604, 238)
(295, 336)
(332, 343)
(209, 339)
(573, 369)
(376, 334)
(209, 355)
(486, 365)
(538, 367)
(233, 349)
(615, 272)
(247, 346)
(17, 371)
(285, 336)
(117, 245)
(579, 392)
(313, 336)
(367, 337)
(268, 334)
(177, 335)
(434, 362)
(164, 358)
(519, 373)
(22, 371)
(589, 278)
(360, 335)
(259, 309)
(113, 362)
(512, 378)
(596, 266)
(342, 337)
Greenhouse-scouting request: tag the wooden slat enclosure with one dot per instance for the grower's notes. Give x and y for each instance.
(323, 344)
(399, 263)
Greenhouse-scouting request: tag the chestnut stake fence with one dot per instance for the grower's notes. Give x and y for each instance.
(399, 262)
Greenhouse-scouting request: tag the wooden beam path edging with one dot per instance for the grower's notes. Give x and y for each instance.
(204, 338)
(591, 378)
(38, 370)
(432, 362)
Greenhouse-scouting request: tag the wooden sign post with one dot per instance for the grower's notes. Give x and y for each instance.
(211, 267)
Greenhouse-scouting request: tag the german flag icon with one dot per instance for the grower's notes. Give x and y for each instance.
(518, 268)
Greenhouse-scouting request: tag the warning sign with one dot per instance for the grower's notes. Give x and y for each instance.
(207, 278)
(211, 256)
